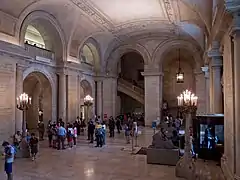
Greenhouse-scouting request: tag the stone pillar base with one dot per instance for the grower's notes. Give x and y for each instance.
(23, 152)
(185, 169)
(226, 171)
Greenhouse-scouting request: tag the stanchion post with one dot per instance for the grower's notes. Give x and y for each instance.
(132, 142)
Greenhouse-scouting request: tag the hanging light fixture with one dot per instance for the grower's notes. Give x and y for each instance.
(180, 74)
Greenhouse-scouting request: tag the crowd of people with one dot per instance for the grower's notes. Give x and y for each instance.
(58, 133)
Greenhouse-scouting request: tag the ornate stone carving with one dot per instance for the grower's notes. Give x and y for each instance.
(169, 10)
(93, 13)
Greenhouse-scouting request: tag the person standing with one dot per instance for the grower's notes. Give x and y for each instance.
(9, 159)
(118, 124)
(75, 135)
(91, 128)
(61, 136)
(33, 146)
(111, 126)
(41, 130)
(99, 134)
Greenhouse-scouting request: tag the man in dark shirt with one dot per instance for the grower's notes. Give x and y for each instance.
(33, 143)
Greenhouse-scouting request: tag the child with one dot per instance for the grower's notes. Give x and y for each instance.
(70, 133)
(75, 135)
(33, 146)
(127, 133)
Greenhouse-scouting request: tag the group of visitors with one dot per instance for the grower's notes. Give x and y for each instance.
(58, 133)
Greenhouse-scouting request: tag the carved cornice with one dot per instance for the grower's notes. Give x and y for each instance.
(93, 13)
(232, 6)
(169, 9)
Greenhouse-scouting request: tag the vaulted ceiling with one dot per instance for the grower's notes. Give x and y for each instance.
(112, 20)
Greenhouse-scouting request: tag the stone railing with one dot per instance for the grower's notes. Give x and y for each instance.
(130, 85)
(39, 52)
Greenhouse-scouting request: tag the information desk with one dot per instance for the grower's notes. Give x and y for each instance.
(209, 136)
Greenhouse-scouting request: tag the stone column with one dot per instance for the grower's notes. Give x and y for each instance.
(109, 96)
(207, 90)
(235, 32)
(100, 98)
(200, 92)
(19, 90)
(62, 96)
(153, 96)
(216, 100)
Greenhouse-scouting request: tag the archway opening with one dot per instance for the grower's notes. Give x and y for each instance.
(42, 38)
(172, 89)
(85, 89)
(37, 86)
(34, 38)
(130, 84)
(89, 55)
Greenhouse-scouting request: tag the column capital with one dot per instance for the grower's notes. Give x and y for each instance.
(215, 50)
(205, 70)
(235, 24)
(152, 73)
(232, 5)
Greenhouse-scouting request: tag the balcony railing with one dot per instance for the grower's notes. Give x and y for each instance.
(39, 53)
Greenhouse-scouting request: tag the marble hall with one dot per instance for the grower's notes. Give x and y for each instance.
(121, 65)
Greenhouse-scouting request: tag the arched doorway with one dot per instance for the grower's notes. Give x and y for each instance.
(171, 89)
(37, 86)
(129, 70)
(85, 89)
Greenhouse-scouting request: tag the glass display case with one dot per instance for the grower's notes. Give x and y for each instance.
(209, 136)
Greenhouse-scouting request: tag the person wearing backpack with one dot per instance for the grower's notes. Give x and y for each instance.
(9, 153)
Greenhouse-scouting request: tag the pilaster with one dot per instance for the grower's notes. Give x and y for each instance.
(109, 96)
(233, 7)
(205, 70)
(19, 90)
(62, 98)
(216, 98)
(153, 95)
(201, 91)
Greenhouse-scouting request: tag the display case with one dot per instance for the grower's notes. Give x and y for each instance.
(209, 136)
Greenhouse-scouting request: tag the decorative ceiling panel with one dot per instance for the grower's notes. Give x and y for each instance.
(122, 11)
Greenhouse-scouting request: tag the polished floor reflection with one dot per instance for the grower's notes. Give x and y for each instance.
(86, 162)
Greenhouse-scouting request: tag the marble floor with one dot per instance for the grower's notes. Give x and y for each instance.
(85, 162)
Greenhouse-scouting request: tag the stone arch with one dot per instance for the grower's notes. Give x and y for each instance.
(87, 87)
(48, 27)
(164, 48)
(48, 76)
(114, 57)
(94, 47)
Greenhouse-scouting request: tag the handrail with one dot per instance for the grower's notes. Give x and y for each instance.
(133, 87)
(36, 51)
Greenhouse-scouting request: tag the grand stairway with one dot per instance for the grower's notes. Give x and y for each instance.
(131, 90)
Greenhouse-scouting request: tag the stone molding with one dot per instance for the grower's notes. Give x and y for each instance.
(232, 5)
(152, 73)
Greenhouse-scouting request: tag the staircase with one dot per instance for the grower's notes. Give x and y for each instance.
(129, 89)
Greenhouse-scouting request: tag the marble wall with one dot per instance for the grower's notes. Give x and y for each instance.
(7, 96)
(228, 107)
